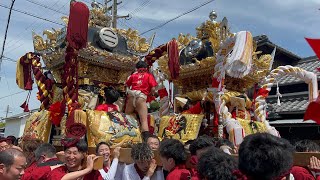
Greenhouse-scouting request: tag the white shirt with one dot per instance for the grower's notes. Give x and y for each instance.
(130, 173)
(110, 175)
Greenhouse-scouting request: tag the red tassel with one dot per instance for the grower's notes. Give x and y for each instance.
(78, 25)
(173, 63)
(24, 104)
(26, 108)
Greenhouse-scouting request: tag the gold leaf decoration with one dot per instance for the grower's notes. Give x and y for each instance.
(134, 41)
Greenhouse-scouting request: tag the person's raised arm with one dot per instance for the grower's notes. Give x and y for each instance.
(81, 173)
(315, 167)
(151, 170)
(113, 169)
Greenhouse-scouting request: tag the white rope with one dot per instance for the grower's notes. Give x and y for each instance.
(278, 94)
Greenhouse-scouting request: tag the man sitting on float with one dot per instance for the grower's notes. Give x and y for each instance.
(141, 84)
(110, 96)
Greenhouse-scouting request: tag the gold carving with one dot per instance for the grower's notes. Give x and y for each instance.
(134, 41)
(214, 32)
(65, 20)
(99, 18)
(184, 40)
(50, 42)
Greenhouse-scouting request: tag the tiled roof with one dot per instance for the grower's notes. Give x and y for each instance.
(309, 64)
(292, 121)
(264, 40)
(290, 102)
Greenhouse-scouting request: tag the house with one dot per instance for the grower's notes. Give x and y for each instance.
(288, 117)
(16, 123)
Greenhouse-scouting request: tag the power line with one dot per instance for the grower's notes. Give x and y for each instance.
(12, 46)
(9, 59)
(86, 1)
(177, 17)
(12, 94)
(47, 7)
(8, 86)
(6, 33)
(143, 4)
(30, 25)
(32, 15)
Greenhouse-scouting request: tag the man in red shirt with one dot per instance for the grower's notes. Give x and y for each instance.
(45, 156)
(142, 84)
(75, 154)
(173, 158)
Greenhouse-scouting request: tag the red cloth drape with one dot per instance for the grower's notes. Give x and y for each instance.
(77, 31)
(173, 63)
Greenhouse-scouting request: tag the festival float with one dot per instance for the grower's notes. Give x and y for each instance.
(221, 81)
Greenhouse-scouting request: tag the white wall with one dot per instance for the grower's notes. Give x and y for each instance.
(15, 126)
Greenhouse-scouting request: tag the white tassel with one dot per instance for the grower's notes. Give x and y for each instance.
(278, 95)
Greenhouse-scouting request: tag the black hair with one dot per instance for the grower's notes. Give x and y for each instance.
(141, 64)
(45, 149)
(154, 137)
(264, 156)
(101, 143)
(214, 164)
(13, 140)
(141, 151)
(172, 148)
(306, 146)
(222, 142)
(7, 156)
(81, 145)
(200, 143)
(111, 95)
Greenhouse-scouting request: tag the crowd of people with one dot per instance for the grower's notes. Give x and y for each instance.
(259, 157)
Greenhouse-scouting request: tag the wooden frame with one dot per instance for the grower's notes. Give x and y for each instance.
(300, 158)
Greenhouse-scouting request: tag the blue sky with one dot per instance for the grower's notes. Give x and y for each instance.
(285, 22)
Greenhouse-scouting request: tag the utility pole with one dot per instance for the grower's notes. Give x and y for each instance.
(115, 16)
(7, 111)
(114, 13)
